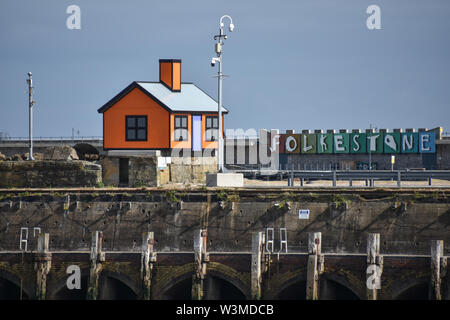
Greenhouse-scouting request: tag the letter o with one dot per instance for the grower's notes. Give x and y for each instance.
(288, 144)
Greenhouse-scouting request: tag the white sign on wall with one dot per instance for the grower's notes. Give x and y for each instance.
(303, 214)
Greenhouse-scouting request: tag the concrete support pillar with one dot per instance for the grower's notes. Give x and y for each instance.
(148, 258)
(42, 265)
(256, 269)
(374, 266)
(315, 265)
(438, 269)
(201, 259)
(97, 257)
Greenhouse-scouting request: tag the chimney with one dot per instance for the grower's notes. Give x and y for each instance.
(170, 73)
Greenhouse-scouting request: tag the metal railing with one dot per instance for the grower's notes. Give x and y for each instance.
(369, 176)
(20, 139)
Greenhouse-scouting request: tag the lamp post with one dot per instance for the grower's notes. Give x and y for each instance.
(218, 48)
(30, 114)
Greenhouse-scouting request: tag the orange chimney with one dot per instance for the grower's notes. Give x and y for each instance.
(170, 73)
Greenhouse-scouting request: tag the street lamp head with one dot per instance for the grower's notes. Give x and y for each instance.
(29, 74)
(231, 27)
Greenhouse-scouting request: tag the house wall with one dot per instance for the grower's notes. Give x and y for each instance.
(208, 144)
(180, 144)
(136, 103)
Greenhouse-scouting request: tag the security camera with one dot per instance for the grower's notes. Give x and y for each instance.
(213, 61)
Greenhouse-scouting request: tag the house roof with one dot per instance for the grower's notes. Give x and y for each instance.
(189, 99)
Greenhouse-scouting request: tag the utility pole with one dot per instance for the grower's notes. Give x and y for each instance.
(218, 48)
(30, 119)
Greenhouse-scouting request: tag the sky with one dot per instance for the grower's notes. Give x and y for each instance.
(297, 64)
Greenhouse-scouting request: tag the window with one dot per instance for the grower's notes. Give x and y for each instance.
(181, 128)
(212, 129)
(136, 128)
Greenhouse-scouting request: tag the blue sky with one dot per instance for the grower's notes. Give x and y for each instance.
(300, 64)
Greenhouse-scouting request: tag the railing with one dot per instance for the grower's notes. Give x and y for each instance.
(52, 138)
(368, 175)
(11, 140)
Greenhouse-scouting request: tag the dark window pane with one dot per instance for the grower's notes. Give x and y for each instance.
(131, 134)
(208, 122)
(177, 122)
(215, 123)
(184, 122)
(141, 134)
(131, 122)
(141, 122)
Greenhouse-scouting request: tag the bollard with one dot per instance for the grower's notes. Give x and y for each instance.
(334, 178)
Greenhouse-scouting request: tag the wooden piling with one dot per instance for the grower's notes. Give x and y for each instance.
(148, 258)
(374, 266)
(97, 257)
(42, 265)
(256, 270)
(315, 265)
(201, 259)
(438, 269)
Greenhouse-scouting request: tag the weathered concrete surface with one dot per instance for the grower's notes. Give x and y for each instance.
(406, 219)
(110, 170)
(191, 170)
(49, 173)
(225, 180)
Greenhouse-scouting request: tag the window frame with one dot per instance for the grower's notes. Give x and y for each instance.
(180, 127)
(136, 127)
(211, 128)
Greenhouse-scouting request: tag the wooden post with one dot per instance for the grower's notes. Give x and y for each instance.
(42, 265)
(97, 257)
(201, 259)
(148, 258)
(374, 266)
(256, 270)
(438, 269)
(315, 265)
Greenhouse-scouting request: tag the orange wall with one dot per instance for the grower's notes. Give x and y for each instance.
(171, 74)
(176, 75)
(209, 144)
(136, 103)
(180, 144)
(166, 73)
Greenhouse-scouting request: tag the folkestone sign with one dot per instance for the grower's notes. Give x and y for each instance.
(355, 142)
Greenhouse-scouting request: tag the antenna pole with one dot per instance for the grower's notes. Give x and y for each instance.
(30, 119)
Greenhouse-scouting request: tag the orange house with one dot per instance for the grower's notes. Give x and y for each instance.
(161, 115)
